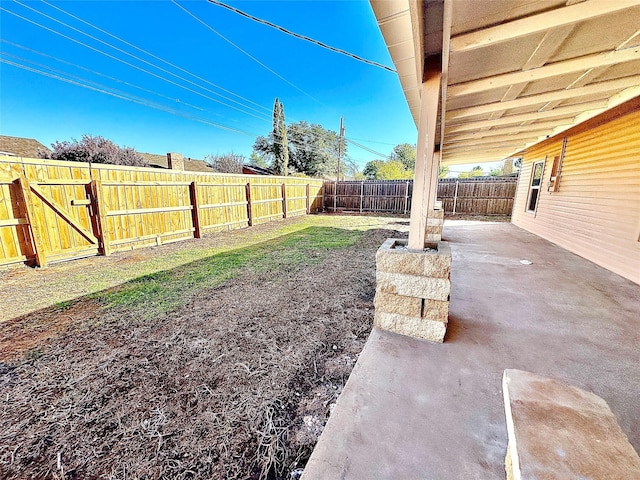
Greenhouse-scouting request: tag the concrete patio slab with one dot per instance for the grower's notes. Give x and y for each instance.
(419, 410)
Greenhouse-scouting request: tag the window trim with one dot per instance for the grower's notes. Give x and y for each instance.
(535, 187)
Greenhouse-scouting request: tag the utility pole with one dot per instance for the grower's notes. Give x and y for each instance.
(340, 146)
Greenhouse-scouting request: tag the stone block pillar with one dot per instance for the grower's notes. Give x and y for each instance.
(412, 289)
(175, 161)
(435, 222)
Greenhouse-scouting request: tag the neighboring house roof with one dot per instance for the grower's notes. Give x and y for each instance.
(21, 147)
(255, 170)
(190, 164)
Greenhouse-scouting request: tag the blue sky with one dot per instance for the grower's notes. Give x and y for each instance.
(320, 85)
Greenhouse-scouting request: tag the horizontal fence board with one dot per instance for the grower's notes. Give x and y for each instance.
(486, 196)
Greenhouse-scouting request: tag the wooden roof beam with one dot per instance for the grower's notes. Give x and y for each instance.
(539, 128)
(580, 64)
(568, 111)
(558, 95)
(499, 152)
(504, 140)
(560, 17)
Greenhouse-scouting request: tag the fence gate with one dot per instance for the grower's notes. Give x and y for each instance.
(60, 213)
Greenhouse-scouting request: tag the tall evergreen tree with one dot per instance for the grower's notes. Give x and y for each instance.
(280, 147)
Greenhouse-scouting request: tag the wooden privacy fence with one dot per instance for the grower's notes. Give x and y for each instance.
(485, 196)
(52, 210)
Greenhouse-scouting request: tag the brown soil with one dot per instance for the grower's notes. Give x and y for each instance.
(236, 385)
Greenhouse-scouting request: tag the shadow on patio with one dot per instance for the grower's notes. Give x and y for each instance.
(414, 409)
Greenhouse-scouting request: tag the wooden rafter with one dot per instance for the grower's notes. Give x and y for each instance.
(489, 141)
(581, 64)
(541, 22)
(561, 112)
(539, 128)
(557, 95)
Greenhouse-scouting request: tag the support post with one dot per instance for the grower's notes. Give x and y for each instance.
(361, 195)
(424, 189)
(455, 196)
(195, 210)
(406, 198)
(29, 213)
(284, 200)
(308, 199)
(249, 210)
(99, 214)
(335, 196)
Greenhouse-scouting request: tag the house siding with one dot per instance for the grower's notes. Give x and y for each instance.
(596, 212)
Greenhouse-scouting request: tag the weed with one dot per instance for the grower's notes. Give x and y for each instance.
(64, 305)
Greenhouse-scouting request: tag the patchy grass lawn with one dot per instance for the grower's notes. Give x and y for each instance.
(217, 358)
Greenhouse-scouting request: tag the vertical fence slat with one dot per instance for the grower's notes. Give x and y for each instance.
(284, 200)
(36, 226)
(195, 210)
(249, 208)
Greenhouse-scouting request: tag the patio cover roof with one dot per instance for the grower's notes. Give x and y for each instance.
(514, 72)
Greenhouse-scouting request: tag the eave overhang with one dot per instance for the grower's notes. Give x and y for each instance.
(515, 72)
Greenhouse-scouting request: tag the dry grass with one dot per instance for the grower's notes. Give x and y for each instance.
(234, 381)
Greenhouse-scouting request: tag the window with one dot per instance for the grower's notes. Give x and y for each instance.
(534, 190)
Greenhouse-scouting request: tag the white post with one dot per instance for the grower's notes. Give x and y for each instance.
(424, 186)
(361, 195)
(406, 198)
(455, 197)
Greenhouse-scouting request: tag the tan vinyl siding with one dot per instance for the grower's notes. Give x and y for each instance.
(596, 212)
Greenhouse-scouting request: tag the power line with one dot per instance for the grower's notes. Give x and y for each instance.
(160, 59)
(370, 150)
(128, 63)
(80, 67)
(123, 96)
(245, 52)
(373, 141)
(301, 37)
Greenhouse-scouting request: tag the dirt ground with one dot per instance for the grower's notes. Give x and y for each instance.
(237, 383)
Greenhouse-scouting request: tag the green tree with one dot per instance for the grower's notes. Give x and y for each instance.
(443, 171)
(370, 170)
(280, 147)
(496, 172)
(475, 172)
(313, 150)
(258, 160)
(274, 148)
(405, 153)
(393, 170)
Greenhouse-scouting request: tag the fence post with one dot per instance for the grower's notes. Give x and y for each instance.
(335, 196)
(99, 214)
(455, 196)
(195, 210)
(308, 199)
(284, 200)
(248, 195)
(29, 213)
(361, 195)
(406, 197)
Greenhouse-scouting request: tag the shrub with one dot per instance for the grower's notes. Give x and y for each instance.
(94, 149)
